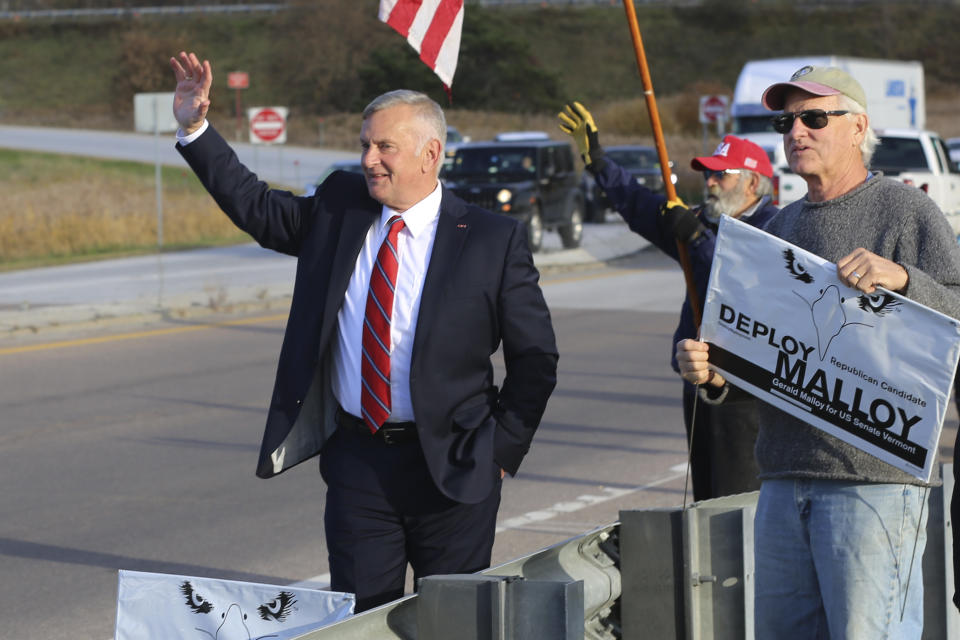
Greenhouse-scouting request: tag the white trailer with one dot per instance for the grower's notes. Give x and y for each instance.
(894, 90)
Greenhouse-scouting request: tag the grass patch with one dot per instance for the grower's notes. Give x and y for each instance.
(59, 209)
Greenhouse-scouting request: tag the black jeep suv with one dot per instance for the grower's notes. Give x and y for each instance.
(533, 180)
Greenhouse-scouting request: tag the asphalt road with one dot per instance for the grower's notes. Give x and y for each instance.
(282, 164)
(133, 447)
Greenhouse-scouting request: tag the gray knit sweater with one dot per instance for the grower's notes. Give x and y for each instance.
(900, 223)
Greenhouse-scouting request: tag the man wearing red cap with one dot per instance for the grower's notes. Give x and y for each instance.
(839, 534)
(721, 427)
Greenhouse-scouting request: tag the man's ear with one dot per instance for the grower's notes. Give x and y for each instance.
(431, 156)
(861, 121)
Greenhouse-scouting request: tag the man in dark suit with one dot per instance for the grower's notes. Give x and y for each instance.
(385, 368)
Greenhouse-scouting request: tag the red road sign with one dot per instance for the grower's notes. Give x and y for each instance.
(713, 108)
(268, 124)
(238, 80)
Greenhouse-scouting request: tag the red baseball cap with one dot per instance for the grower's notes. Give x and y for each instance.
(735, 153)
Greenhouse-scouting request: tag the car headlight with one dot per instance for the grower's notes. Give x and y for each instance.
(504, 196)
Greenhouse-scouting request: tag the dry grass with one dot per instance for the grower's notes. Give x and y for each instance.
(82, 208)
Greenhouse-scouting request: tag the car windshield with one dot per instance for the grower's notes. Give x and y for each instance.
(495, 163)
(899, 154)
(635, 159)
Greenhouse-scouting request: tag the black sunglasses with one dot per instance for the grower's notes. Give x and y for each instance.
(811, 118)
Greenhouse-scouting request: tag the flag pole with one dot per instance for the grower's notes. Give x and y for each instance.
(671, 191)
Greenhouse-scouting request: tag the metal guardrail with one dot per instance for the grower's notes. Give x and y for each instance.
(657, 574)
(128, 12)
(809, 4)
(698, 583)
(542, 588)
(581, 3)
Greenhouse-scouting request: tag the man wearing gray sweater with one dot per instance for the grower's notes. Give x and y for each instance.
(835, 527)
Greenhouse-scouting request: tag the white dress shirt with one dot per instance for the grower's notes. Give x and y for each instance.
(415, 248)
(185, 139)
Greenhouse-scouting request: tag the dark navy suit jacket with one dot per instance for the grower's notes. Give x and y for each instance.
(481, 290)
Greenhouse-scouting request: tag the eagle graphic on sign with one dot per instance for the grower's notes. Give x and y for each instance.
(827, 311)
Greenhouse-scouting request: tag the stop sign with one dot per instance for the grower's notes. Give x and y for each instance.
(268, 125)
(713, 108)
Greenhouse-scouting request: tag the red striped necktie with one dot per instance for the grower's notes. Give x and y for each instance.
(375, 364)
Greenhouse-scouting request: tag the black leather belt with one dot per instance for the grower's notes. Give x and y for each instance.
(389, 433)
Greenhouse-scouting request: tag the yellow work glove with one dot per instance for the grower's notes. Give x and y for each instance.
(576, 121)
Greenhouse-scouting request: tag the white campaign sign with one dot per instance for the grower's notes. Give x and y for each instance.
(157, 605)
(873, 370)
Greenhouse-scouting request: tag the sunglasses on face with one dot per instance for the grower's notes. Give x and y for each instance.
(719, 175)
(811, 119)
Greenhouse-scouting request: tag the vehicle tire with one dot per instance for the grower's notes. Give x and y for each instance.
(535, 229)
(572, 233)
(595, 209)
(594, 212)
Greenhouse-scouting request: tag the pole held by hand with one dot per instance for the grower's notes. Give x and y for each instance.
(662, 154)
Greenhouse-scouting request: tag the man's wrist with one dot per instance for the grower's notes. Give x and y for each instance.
(597, 159)
(185, 137)
(906, 279)
(714, 394)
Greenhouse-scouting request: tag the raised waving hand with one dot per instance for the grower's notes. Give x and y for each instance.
(192, 97)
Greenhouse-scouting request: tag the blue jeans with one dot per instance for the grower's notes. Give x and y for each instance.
(837, 560)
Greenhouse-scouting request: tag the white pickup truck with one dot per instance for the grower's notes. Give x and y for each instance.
(916, 157)
(922, 159)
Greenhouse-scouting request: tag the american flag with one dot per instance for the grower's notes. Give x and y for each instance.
(432, 27)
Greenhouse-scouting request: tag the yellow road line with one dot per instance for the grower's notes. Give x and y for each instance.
(137, 334)
(546, 281)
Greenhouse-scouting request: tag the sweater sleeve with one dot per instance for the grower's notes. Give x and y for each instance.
(928, 250)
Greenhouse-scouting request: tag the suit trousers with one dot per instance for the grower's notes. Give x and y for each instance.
(383, 510)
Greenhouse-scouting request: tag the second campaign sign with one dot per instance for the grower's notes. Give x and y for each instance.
(873, 370)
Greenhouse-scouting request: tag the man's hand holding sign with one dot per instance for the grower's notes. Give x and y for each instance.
(866, 271)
